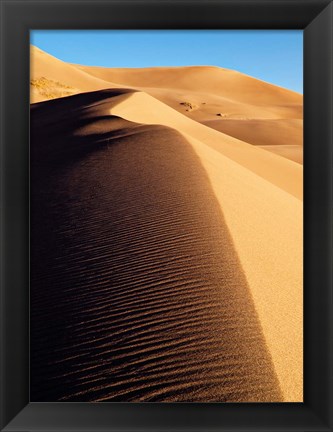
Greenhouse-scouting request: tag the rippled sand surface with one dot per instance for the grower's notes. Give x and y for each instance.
(137, 292)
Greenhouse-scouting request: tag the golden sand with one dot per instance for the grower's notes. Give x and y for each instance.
(244, 139)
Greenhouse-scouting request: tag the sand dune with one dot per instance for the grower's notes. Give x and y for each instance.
(260, 132)
(211, 93)
(292, 152)
(211, 90)
(141, 284)
(284, 173)
(208, 79)
(214, 106)
(174, 264)
(282, 136)
(266, 244)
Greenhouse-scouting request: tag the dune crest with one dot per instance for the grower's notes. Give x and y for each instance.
(286, 174)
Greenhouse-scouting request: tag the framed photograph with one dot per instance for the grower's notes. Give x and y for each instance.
(166, 225)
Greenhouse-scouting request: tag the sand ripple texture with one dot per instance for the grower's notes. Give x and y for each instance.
(137, 293)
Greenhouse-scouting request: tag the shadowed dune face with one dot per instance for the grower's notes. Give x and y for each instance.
(137, 293)
(78, 123)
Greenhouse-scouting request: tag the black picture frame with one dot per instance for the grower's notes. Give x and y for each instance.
(17, 18)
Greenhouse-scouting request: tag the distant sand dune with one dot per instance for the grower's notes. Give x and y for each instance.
(260, 132)
(281, 136)
(211, 90)
(230, 84)
(292, 152)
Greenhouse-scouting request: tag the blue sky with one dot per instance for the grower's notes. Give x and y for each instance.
(275, 56)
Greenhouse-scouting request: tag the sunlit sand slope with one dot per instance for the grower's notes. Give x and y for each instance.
(281, 136)
(138, 293)
(281, 172)
(259, 194)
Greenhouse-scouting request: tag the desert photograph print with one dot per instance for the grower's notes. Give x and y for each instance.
(166, 216)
